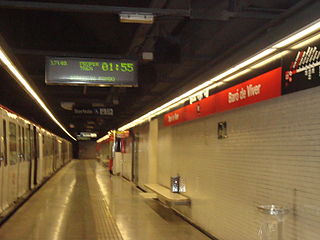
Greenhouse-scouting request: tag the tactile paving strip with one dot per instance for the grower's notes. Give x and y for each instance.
(106, 227)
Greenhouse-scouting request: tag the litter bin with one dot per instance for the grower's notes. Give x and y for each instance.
(272, 226)
(175, 184)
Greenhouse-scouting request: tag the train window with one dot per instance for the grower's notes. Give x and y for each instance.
(27, 144)
(19, 144)
(37, 146)
(45, 146)
(50, 146)
(12, 143)
(32, 147)
(55, 148)
(23, 144)
(5, 152)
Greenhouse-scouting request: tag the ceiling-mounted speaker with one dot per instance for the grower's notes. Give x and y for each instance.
(147, 56)
(147, 73)
(167, 50)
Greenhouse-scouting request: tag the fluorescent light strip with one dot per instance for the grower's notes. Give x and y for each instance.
(270, 59)
(105, 137)
(306, 42)
(259, 56)
(237, 75)
(29, 89)
(315, 26)
(210, 84)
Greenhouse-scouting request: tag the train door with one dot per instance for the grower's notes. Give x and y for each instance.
(43, 154)
(25, 159)
(4, 163)
(40, 146)
(13, 157)
(135, 158)
(54, 158)
(60, 154)
(20, 158)
(29, 156)
(51, 154)
(34, 155)
(1, 163)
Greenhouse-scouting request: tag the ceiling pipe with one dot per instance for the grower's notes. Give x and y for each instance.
(63, 7)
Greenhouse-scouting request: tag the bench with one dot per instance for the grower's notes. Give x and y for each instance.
(165, 195)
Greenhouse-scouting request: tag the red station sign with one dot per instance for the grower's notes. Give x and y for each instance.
(260, 88)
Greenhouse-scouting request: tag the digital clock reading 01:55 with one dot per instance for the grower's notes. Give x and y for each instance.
(89, 71)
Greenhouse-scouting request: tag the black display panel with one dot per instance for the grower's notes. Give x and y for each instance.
(91, 71)
(301, 69)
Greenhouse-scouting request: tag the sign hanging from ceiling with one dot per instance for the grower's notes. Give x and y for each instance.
(91, 71)
(98, 111)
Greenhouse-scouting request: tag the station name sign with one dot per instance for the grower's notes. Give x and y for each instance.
(260, 88)
(298, 70)
(91, 71)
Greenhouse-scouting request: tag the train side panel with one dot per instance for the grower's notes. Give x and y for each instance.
(28, 155)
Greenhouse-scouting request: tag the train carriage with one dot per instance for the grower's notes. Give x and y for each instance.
(28, 155)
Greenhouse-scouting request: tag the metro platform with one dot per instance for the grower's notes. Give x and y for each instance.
(83, 201)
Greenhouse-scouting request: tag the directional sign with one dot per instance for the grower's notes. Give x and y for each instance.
(98, 111)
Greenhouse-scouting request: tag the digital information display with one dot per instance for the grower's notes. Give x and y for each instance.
(91, 71)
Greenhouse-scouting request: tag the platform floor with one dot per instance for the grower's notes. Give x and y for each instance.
(83, 202)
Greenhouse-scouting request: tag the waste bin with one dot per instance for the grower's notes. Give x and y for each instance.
(273, 219)
(175, 182)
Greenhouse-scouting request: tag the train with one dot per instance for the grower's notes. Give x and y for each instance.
(29, 155)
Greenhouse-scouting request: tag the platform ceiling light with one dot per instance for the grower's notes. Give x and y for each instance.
(309, 29)
(292, 38)
(132, 17)
(306, 42)
(111, 132)
(13, 70)
(237, 75)
(270, 59)
(260, 58)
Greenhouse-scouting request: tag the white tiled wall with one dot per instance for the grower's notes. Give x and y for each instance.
(271, 156)
(127, 160)
(142, 135)
(153, 151)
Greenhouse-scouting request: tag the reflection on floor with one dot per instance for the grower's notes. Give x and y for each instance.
(84, 202)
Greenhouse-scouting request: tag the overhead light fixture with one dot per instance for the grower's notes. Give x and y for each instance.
(306, 42)
(132, 17)
(311, 28)
(109, 134)
(237, 75)
(270, 59)
(21, 79)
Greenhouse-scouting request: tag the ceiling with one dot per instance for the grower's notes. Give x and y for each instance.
(198, 34)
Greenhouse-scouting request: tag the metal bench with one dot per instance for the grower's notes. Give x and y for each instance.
(165, 195)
